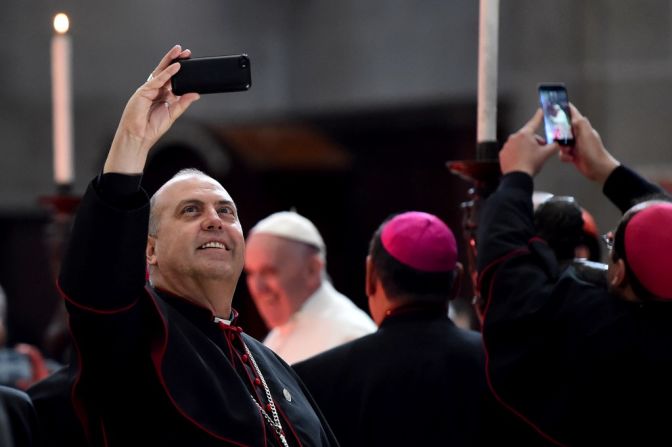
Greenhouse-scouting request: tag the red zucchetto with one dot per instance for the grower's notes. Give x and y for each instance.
(648, 248)
(421, 241)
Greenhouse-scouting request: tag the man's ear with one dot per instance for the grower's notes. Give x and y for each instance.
(371, 278)
(617, 278)
(313, 270)
(150, 251)
(457, 280)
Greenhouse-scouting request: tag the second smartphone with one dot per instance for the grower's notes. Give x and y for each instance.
(557, 116)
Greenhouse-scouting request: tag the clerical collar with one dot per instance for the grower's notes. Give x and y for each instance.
(222, 320)
(194, 311)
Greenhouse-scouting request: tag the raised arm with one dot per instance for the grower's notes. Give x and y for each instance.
(104, 265)
(620, 184)
(506, 221)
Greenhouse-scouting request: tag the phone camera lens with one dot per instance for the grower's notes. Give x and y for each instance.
(243, 62)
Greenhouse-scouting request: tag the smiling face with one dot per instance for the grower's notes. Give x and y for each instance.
(195, 236)
(281, 275)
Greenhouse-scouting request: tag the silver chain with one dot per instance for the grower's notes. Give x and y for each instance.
(275, 422)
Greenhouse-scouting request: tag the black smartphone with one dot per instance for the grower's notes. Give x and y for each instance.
(557, 117)
(216, 74)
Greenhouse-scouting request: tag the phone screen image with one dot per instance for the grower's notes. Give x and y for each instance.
(557, 119)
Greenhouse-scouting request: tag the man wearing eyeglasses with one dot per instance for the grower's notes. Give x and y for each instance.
(580, 363)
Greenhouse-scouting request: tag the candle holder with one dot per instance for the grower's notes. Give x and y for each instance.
(484, 174)
(61, 207)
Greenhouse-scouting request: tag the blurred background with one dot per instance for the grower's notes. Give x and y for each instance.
(354, 109)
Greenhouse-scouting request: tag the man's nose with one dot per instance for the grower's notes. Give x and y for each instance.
(258, 283)
(211, 221)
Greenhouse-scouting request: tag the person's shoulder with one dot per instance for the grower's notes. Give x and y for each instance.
(589, 306)
(14, 397)
(17, 403)
(341, 354)
(59, 383)
(322, 365)
(458, 341)
(575, 287)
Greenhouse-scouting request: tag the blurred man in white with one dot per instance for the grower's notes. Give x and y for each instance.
(285, 260)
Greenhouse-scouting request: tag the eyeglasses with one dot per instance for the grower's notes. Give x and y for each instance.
(608, 239)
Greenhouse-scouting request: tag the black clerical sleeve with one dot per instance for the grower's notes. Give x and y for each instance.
(506, 221)
(625, 188)
(102, 281)
(104, 266)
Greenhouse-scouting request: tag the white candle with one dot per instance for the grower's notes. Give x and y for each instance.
(61, 94)
(488, 39)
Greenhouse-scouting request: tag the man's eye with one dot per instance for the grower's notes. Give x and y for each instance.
(226, 210)
(190, 209)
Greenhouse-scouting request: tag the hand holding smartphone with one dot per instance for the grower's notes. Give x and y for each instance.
(212, 75)
(557, 116)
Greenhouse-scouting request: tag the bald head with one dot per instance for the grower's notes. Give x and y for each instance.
(155, 203)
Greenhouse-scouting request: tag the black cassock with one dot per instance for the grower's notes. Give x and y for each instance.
(418, 381)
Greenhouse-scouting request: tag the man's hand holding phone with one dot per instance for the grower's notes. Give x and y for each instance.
(526, 151)
(589, 155)
(148, 114)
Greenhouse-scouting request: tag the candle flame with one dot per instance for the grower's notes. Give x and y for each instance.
(61, 23)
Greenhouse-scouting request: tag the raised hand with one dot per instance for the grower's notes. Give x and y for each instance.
(589, 155)
(149, 113)
(525, 150)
